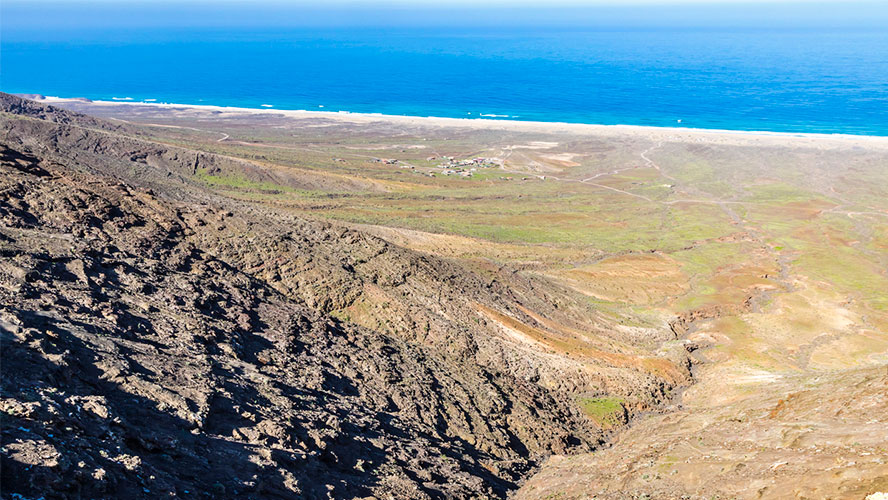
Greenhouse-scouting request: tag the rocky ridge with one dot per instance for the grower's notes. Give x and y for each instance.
(160, 340)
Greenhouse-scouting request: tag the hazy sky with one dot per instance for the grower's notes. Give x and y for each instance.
(436, 3)
(30, 15)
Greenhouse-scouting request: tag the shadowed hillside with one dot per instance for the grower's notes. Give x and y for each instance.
(160, 339)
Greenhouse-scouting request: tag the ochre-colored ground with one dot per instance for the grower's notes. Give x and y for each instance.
(765, 256)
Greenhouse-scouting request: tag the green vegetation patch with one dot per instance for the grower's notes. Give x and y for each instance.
(607, 412)
(257, 189)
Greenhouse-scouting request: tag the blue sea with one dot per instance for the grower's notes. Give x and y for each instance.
(784, 80)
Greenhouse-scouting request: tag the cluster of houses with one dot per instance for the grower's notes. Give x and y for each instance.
(463, 168)
(386, 161)
(448, 165)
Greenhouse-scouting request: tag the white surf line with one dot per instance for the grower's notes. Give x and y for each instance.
(517, 125)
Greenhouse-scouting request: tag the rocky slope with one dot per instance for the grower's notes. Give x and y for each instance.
(160, 340)
(802, 438)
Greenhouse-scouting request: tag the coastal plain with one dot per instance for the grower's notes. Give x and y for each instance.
(707, 310)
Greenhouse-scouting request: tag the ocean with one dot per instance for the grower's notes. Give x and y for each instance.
(783, 80)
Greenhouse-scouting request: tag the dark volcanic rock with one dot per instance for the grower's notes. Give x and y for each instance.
(160, 341)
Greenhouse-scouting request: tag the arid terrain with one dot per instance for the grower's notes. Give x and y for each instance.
(221, 303)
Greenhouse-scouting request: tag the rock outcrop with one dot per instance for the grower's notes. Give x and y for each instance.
(160, 340)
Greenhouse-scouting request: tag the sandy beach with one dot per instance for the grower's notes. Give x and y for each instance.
(654, 286)
(710, 136)
(387, 249)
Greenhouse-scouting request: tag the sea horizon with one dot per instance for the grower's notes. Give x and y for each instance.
(421, 249)
(823, 80)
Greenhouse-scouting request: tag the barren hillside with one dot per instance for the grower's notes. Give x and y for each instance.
(160, 339)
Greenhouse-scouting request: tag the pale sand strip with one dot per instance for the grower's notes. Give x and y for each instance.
(712, 136)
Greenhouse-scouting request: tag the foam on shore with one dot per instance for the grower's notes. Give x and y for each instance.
(657, 133)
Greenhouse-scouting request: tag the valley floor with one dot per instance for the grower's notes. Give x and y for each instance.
(643, 313)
